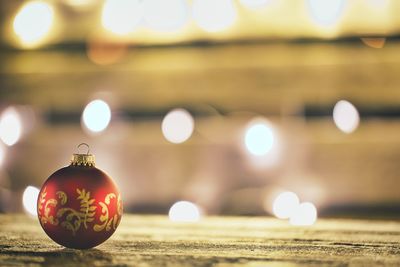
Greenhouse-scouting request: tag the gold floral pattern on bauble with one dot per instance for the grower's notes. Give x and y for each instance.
(74, 219)
(107, 222)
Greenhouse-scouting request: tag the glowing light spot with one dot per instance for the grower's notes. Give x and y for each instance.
(378, 42)
(327, 12)
(10, 127)
(29, 200)
(305, 214)
(177, 126)
(33, 22)
(346, 116)
(121, 16)
(184, 211)
(214, 15)
(96, 116)
(253, 4)
(285, 204)
(165, 15)
(259, 139)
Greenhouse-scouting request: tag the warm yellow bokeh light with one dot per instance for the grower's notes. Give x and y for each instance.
(214, 15)
(122, 16)
(346, 116)
(10, 126)
(96, 116)
(177, 126)
(33, 22)
(259, 139)
(326, 13)
(285, 204)
(29, 200)
(304, 215)
(166, 15)
(184, 211)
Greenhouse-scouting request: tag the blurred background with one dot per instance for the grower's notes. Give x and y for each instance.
(238, 107)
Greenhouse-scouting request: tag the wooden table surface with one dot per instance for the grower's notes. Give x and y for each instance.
(214, 241)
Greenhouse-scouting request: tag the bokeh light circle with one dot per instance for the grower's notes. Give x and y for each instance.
(259, 139)
(177, 126)
(184, 211)
(96, 116)
(33, 22)
(121, 16)
(214, 15)
(346, 116)
(10, 126)
(165, 15)
(29, 200)
(304, 215)
(285, 204)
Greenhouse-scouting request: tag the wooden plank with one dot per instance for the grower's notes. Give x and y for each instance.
(214, 241)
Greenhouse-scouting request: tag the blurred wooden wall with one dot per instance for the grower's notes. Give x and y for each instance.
(294, 84)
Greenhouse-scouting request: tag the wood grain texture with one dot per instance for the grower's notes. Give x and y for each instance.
(215, 241)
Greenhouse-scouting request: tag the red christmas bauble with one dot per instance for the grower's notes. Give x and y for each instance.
(79, 206)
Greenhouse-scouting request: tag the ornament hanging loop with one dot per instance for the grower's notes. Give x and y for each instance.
(83, 159)
(84, 144)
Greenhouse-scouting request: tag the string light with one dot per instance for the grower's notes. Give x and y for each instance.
(29, 200)
(96, 116)
(33, 22)
(184, 211)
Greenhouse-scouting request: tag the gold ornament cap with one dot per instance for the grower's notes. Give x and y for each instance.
(86, 160)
